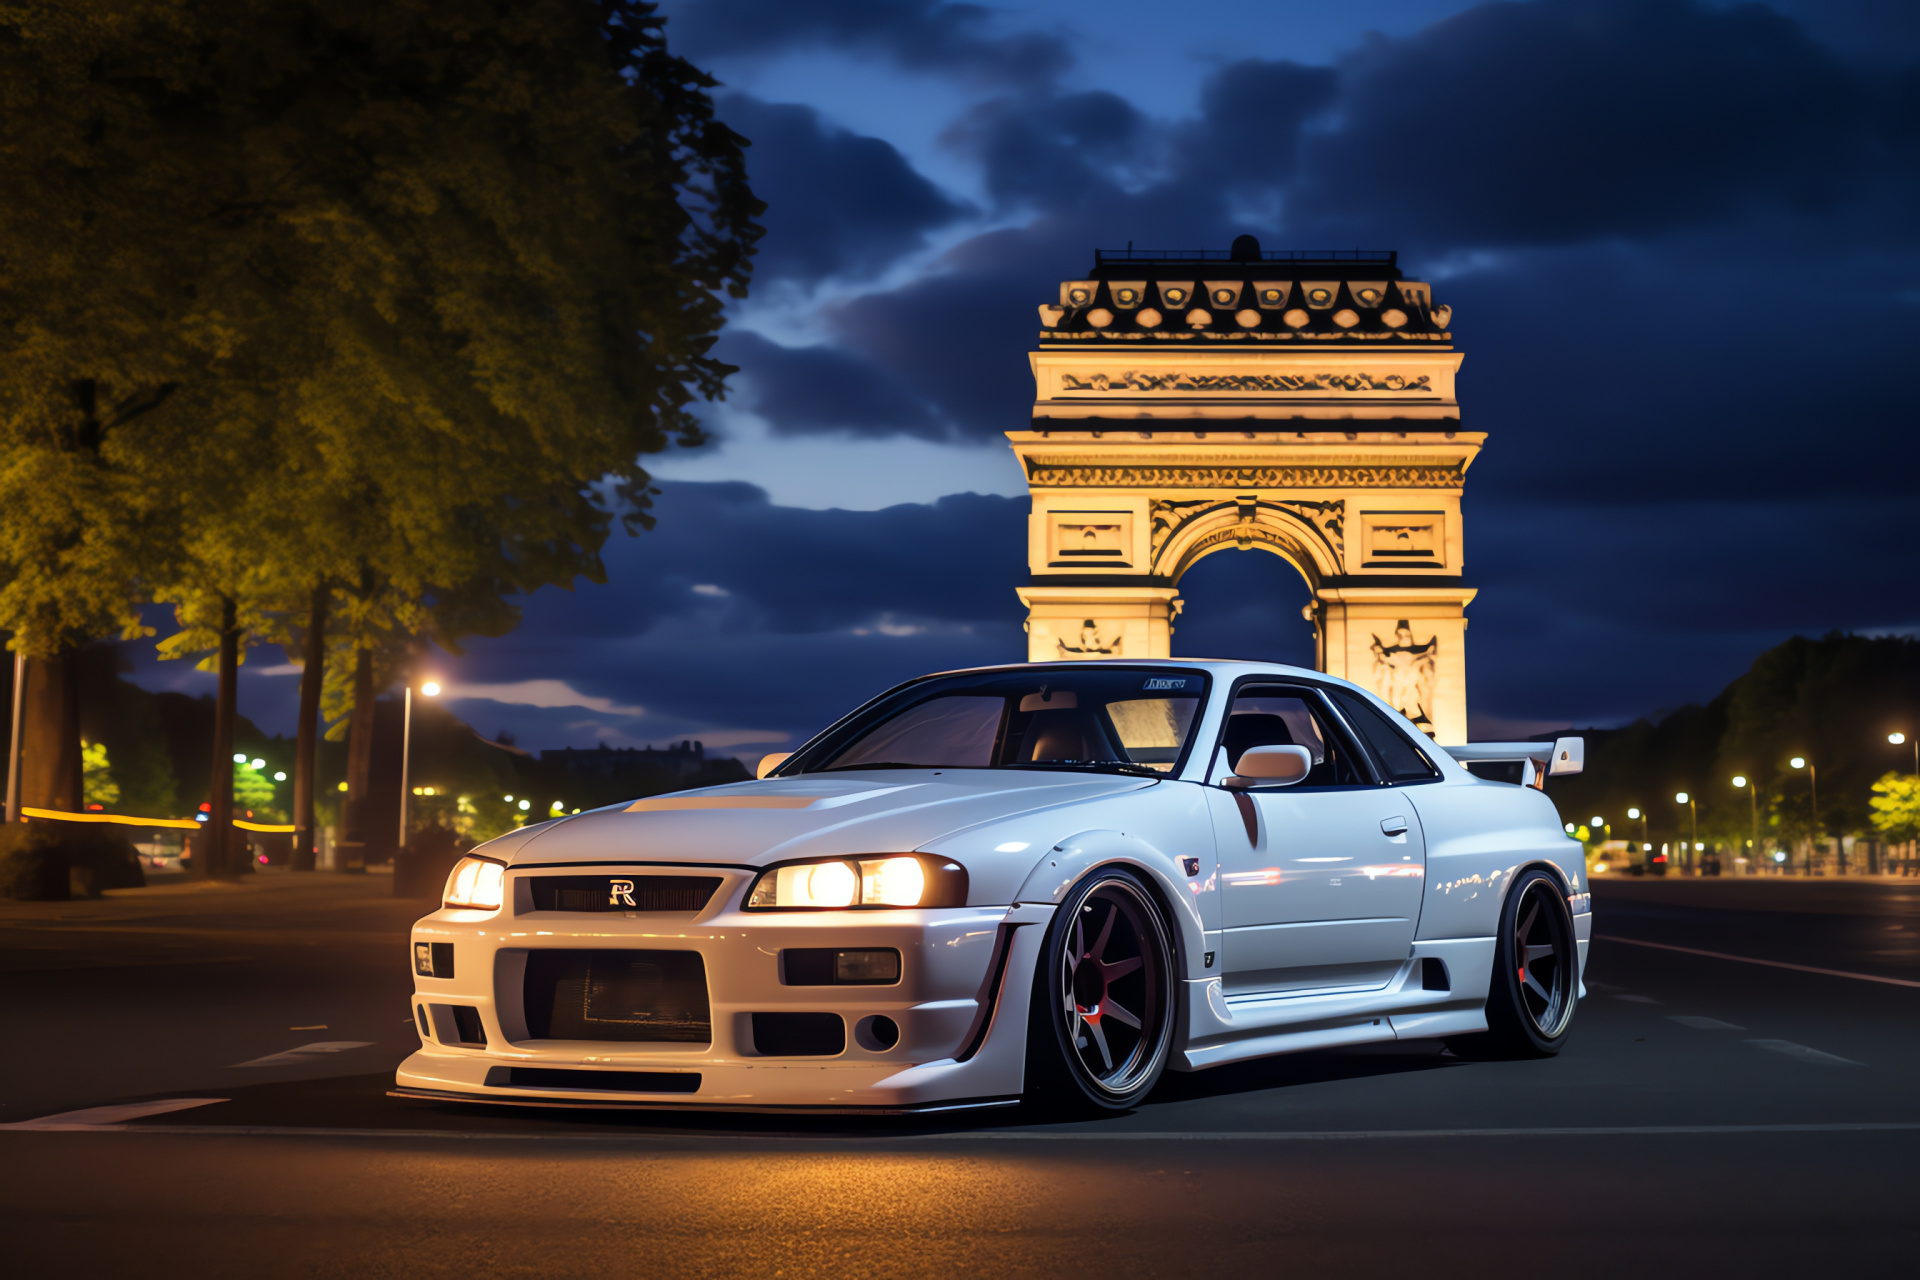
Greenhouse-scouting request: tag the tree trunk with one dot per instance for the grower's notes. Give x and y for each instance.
(221, 857)
(305, 733)
(50, 765)
(353, 847)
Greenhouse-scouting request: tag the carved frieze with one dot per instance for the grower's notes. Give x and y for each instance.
(1132, 380)
(1089, 476)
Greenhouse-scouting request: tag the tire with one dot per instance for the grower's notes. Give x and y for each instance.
(1100, 1027)
(1536, 982)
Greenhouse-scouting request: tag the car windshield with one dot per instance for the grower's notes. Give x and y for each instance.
(1094, 717)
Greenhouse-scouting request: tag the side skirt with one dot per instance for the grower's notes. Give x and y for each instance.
(1223, 1029)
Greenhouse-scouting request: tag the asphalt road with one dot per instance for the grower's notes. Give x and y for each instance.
(1710, 1115)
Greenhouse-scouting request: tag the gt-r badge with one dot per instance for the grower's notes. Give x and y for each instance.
(620, 893)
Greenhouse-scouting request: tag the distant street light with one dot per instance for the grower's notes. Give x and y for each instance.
(431, 689)
(1681, 797)
(1813, 791)
(1753, 803)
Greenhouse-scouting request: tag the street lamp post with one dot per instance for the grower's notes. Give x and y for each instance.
(429, 689)
(1646, 844)
(1693, 809)
(13, 756)
(1813, 792)
(1897, 738)
(1753, 802)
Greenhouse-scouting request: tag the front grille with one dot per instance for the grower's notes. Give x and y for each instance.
(622, 893)
(648, 996)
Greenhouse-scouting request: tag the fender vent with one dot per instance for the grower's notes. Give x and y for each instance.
(1433, 975)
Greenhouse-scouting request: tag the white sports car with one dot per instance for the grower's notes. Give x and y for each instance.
(1044, 880)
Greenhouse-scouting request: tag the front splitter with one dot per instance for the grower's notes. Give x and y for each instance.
(622, 1104)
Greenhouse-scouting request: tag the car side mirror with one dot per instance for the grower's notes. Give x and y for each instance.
(770, 762)
(1271, 767)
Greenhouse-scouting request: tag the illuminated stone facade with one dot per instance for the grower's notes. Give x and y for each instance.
(1298, 404)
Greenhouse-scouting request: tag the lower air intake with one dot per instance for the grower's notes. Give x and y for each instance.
(799, 1035)
(593, 1081)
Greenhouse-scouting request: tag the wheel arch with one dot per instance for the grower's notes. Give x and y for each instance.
(1077, 856)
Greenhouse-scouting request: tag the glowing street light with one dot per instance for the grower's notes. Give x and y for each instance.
(430, 689)
(1740, 780)
(1813, 792)
(1693, 809)
(1897, 738)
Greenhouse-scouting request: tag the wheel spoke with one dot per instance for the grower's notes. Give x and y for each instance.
(1106, 931)
(1536, 952)
(1525, 930)
(1533, 984)
(1115, 972)
(1100, 1039)
(1109, 1009)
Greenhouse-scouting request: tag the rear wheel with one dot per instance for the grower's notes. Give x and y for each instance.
(1536, 975)
(1101, 1021)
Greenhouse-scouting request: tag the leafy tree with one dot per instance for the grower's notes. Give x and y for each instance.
(1896, 807)
(101, 789)
(371, 306)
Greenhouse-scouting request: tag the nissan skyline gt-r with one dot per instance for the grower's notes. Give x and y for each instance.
(1052, 881)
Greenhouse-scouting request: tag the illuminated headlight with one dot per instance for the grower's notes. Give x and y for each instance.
(477, 884)
(907, 880)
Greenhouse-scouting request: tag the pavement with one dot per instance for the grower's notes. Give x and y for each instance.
(1738, 1095)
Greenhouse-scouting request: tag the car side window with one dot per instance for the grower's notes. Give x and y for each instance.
(1264, 716)
(1399, 758)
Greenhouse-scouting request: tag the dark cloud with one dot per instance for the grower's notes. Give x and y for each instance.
(1063, 152)
(922, 35)
(838, 204)
(1251, 114)
(803, 390)
(1575, 119)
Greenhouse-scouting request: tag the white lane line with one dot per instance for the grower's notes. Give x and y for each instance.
(1699, 1023)
(1009, 1135)
(1638, 999)
(109, 1119)
(1804, 1054)
(305, 1053)
(1771, 964)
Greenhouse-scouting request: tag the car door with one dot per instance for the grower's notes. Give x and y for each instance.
(1320, 882)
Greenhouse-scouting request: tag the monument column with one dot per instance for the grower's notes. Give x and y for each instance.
(1297, 404)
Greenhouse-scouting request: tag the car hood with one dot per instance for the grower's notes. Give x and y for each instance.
(813, 815)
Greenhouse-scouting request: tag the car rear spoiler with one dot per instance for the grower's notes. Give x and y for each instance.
(1538, 760)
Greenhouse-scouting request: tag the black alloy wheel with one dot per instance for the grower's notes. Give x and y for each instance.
(1101, 1023)
(1536, 974)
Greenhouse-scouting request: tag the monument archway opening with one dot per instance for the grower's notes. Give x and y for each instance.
(1245, 605)
(1297, 403)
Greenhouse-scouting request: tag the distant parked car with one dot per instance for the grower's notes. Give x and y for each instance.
(1045, 880)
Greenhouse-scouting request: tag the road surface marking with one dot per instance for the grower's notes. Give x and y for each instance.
(1638, 999)
(1699, 1023)
(305, 1053)
(1804, 1054)
(320, 1026)
(994, 1135)
(109, 1118)
(1771, 964)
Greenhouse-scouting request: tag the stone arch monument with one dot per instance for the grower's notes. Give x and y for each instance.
(1296, 403)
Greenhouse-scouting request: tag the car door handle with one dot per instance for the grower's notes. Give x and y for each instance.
(1394, 826)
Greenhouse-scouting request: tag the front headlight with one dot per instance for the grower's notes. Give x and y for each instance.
(477, 885)
(904, 880)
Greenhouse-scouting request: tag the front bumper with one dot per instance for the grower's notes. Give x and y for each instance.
(958, 1041)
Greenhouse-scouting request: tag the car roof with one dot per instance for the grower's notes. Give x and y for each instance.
(1225, 667)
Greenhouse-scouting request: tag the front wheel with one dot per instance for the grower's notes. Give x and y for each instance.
(1536, 975)
(1101, 1021)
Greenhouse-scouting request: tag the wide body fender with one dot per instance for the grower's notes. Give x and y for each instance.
(1067, 862)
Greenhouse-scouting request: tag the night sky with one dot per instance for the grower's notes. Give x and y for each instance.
(1680, 241)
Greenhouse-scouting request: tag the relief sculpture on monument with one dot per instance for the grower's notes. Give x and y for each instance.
(1403, 674)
